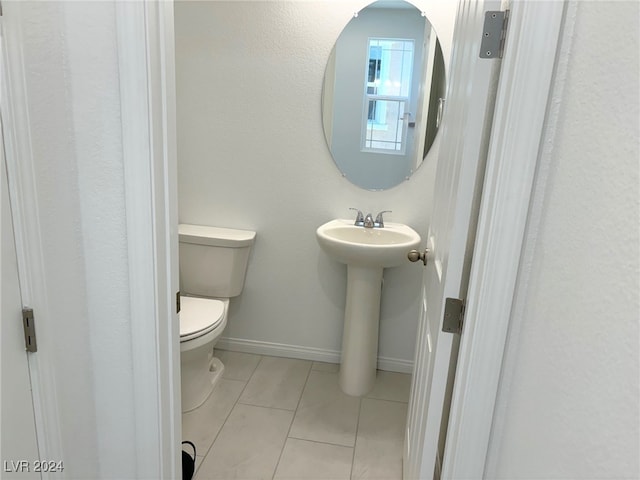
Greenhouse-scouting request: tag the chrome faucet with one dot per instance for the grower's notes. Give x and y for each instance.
(379, 223)
(368, 221)
(359, 218)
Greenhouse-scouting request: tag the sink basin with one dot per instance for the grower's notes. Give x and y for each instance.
(367, 252)
(367, 247)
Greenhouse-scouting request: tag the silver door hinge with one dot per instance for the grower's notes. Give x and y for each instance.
(29, 325)
(494, 33)
(453, 315)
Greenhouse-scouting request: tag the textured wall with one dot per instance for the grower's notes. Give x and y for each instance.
(71, 65)
(568, 401)
(252, 154)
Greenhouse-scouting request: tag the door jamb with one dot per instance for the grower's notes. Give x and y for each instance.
(145, 32)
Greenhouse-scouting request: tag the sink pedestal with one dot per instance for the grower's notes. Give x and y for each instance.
(360, 338)
(366, 252)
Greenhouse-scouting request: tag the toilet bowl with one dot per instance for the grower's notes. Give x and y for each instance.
(213, 264)
(202, 321)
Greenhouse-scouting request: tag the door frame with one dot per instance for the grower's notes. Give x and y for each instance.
(146, 30)
(146, 63)
(516, 143)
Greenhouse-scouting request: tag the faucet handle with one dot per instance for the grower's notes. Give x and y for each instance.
(359, 217)
(368, 221)
(379, 222)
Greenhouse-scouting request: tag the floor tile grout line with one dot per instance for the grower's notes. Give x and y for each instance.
(204, 457)
(387, 400)
(248, 380)
(228, 415)
(266, 406)
(256, 366)
(293, 417)
(323, 443)
(355, 442)
(219, 431)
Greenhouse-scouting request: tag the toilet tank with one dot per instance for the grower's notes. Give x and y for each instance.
(213, 260)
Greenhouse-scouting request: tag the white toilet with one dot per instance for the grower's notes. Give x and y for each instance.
(213, 264)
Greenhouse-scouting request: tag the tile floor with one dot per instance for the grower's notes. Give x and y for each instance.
(279, 418)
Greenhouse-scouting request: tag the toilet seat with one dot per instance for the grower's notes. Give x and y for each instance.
(198, 316)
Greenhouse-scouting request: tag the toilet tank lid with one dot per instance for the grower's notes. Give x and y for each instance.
(216, 236)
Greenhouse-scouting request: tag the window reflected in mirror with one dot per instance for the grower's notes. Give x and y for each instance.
(387, 95)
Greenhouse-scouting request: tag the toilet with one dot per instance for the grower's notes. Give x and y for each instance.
(213, 264)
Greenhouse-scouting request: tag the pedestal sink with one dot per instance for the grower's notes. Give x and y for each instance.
(366, 252)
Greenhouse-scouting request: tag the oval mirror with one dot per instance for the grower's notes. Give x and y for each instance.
(383, 93)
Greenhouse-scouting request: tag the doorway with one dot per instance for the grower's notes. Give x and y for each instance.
(144, 33)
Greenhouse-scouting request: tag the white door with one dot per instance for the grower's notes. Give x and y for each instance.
(465, 133)
(18, 447)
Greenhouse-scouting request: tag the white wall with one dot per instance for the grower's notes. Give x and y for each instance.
(568, 400)
(71, 82)
(252, 154)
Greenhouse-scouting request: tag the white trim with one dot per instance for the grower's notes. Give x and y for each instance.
(145, 51)
(305, 353)
(521, 106)
(273, 349)
(137, 161)
(399, 365)
(29, 244)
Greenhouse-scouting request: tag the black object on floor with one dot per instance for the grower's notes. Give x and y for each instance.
(188, 462)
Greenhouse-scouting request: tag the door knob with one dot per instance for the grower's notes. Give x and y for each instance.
(415, 255)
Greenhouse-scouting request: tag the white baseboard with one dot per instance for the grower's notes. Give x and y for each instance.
(304, 353)
(395, 365)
